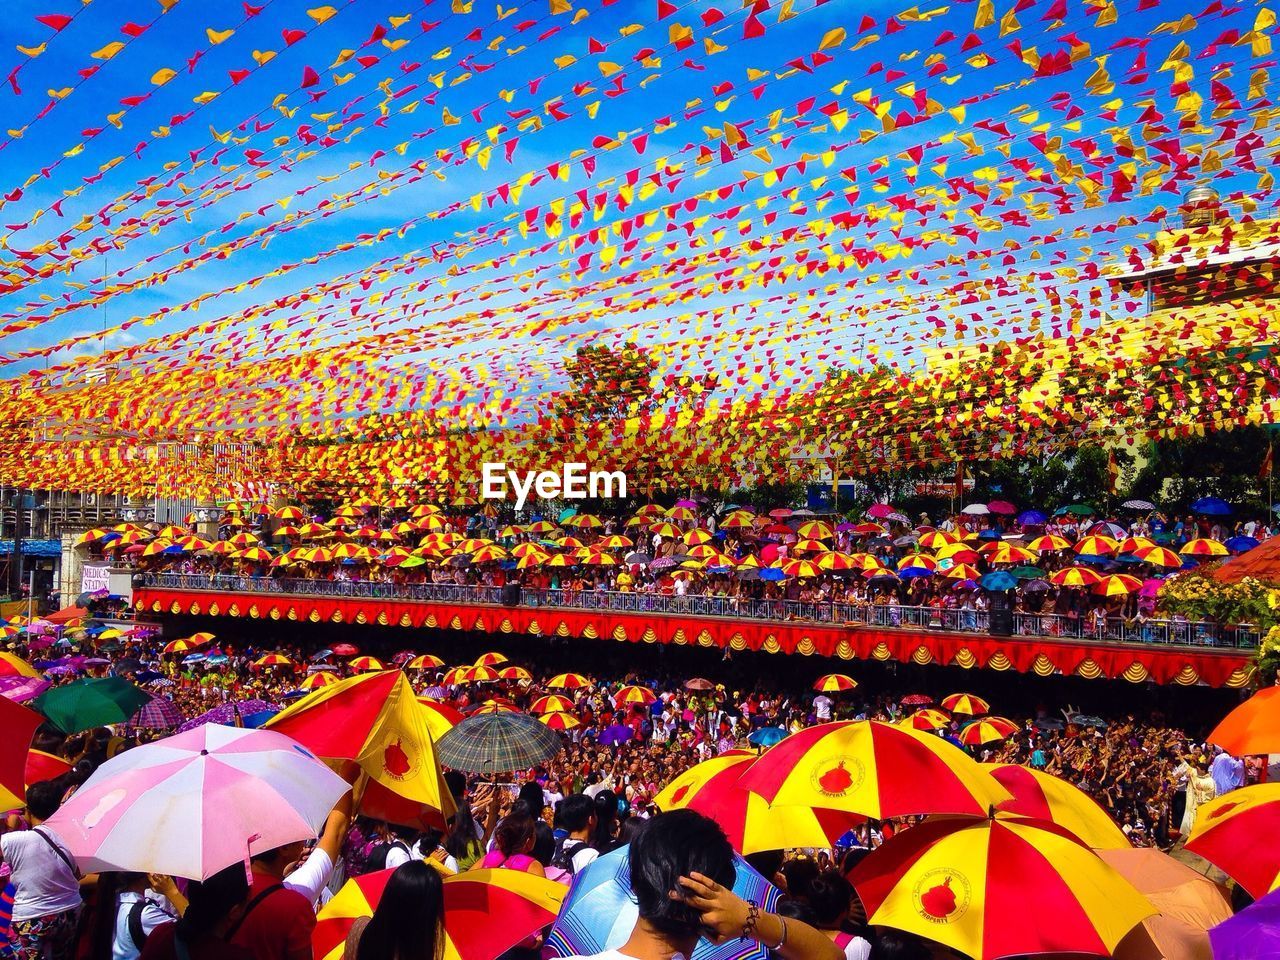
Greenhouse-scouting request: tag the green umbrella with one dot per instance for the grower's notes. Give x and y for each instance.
(1027, 573)
(91, 702)
(489, 743)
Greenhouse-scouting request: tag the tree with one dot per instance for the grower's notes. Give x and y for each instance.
(607, 384)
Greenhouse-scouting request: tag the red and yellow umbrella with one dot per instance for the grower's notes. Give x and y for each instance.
(665, 528)
(43, 766)
(963, 571)
(803, 569)
(737, 520)
(514, 673)
(809, 546)
(495, 706)
(966, 703)
(816, 530)
(560, 720)
(552, 703)
(491, 659)
(317, 680)
(936, 539)
(179, 646)
(999, 887)
(243, 540)
(1042, 796)
(987, 730)
(425, 662)
(457, 676)
(751, 824)
(490, 553)
(834, 560)
(1159, 557)
(634, 694)
(1134, 544)
(486, 912)
(1074, 577)
(1236, 832)
(874, 769)
(19, 725)
(1047, 543)
(615, 542)
(1097, 546)
(156, 547)
(927, 719)
(273, 660)
(14, 666)
(253, 555)
(1117, 585)
(1009, 553)
(697, 538)
(439, 717)
(291, 514)
(367, 664)
(682, 514)
(585, 521)
(532, 559)
(834, 683)
(568, 681)
(1203, 548)
(917, 561)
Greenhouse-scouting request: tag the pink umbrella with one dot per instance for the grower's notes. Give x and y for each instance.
(196, 802)
(878, 511)
(1002, 506)
(1150, 588)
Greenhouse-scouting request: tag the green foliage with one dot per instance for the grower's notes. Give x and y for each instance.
(1221, 464)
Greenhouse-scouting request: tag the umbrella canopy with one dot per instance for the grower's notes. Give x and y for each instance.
(1189, 904)
(560, 720)
(634, 694)
(91, 702)
(568, 681)
(966, 703)
(158, 713)
(987, 730)
(927, 719)
(14, 666)
(1253, 727)
(424, 662)
(1075, 577)
(699, 683)
(998, 580)
(1203, 548)
(1227, 831)
(317, 680)
(498, 743)
(994, 888)
(712, 788)
(766, 736)
(552, 703)
(486, 912)
(1211, 506)
(231, 714)
(1252, 934)
(490, 660)
(19, 725)
(600, 912)
(875, 769)
(1042, 796)
(367, 664)
(196, 802)
(834, 683)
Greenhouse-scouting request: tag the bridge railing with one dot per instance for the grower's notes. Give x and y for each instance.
(1109, 629)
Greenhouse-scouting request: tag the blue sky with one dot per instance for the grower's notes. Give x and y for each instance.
(178, 34)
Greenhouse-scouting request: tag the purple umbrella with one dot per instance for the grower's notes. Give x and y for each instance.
(22, 689)
(1252, 934)
(618, 733)
(662, 563)
(158, 713)
(228, 714)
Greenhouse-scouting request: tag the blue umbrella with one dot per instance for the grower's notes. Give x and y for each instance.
(194, 658)
(912, 572)
(1211, 506)
(600, 913)
(999, 580)
(990, 534)
(772, 573)
(1032, 518)
(1240, 544)
(255, 720)
(766, 736)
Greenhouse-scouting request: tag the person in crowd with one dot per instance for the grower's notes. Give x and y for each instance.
(831, 896)
(576, 815)
(408, 923)
(513, 843)
(127, 909)
(682, 871)
(46, 900)
(205, 928)
(276, 921)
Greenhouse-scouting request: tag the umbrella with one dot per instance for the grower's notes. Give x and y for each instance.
(20, 726)
(498, 743)
(1002, 506)
(439, 717)
(926, 719)
(1189, 904)
(916, 700)
(965, 703)
(1240, 544)
(750, 823)
(1228, 832)
(1077, 510)
(615, 734)
(1203, 548)
(344, 650)
(874, 769)
(766, 736)
(514, 673)
(601, 913)
(1032, 518)
(317, 680)
(22, 689)
(699, 683)
(158, 713)
(366, 664)
(634, 694)
(987, 730)
(91, 702)
(1159, 557)
(486, 912)
(568, 681)
(552, 703)
(14, 666)
(976, 510)
(999, 580)
(560, 720)
(997, 887)
(1211, 506)
(196, 802)
(229, 714)
(1074, 577)
(490, 660)
(834, 683)
(1042, 796)
(41, 766)
(424, 662)
(1253, 727)
(1138, 505)
(1252, 934)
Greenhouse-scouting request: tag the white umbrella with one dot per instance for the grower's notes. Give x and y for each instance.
(196, 802)
(976, 510)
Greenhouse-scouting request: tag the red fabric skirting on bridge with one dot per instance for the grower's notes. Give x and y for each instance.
(1043, 656)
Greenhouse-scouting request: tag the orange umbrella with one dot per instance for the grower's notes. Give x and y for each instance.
(486, 912)
(1253, 727)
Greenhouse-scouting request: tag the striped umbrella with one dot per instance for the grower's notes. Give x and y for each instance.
(158, 713)
(803, 569)
(424, 662)
(712, 788)
(552, 703)
(568, 681)
(12, 665)
(835, 560)
(928, 719)
(998, 887)
(600, 912)
(439, 717)
(493, 743)
(1047, 543)
(1096, 546)
(874, 769)
(634, 694)
(936, 539)
(965, 703)
(1235, 832)
(1117, 585)
(1203, 548)
(987, 730)
(367, 664)
(834, 683)
(273, 660)
(486, 912)
(1074, 577)
(317, 680)
(1043, 796)
(514, 673)
(492, 659)
(481, 675)
(559, 720)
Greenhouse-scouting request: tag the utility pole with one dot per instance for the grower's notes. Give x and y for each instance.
(19, 533)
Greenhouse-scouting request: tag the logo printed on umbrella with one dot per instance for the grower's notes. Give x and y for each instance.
(942, 895)
(108, 802)
(838, 777)
(396, 762)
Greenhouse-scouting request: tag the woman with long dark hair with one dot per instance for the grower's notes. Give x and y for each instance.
(409, 921)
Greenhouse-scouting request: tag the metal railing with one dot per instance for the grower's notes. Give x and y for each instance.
(1109, 629)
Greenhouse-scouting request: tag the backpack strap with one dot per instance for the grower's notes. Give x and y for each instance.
(62, 855)
(136, 933)
(249, 908)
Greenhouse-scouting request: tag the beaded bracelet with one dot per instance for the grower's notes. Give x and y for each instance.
(749, 925)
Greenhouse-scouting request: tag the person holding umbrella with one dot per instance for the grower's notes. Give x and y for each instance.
(46, 901)
(682, 868)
